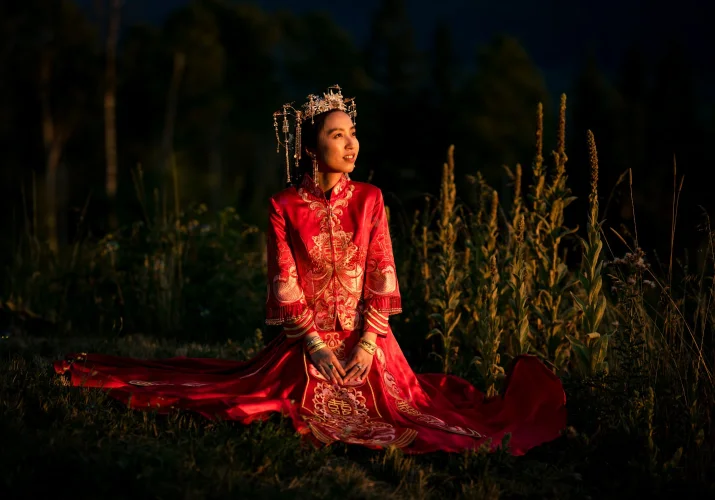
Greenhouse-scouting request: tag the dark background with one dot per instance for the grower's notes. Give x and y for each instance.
(425, 74)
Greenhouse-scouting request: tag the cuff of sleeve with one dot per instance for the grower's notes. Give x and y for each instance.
(386, 306)
(285, 313)
(300, 326)
(375, 322)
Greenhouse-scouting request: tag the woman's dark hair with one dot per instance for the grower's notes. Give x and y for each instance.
(309, 133)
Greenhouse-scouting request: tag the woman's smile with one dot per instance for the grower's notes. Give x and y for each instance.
(338, 145)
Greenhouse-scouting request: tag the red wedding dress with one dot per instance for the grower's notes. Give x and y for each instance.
(331, 270)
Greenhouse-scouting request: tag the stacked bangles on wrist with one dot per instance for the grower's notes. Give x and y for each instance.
(368, 345)
(314, 345)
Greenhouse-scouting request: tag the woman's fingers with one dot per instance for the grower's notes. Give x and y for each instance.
(353, 361)
(350, 366)
(363, 372)
(338, 366)
(325, 372)
(325, 365)
(358, 371)
(338, 378)
(353, 373)
(333, 375)
(332, 368)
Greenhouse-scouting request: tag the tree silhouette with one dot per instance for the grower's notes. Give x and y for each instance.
(393, 108)
(391, 55)
(198, 88)
(52, 51)
(110, 109)
(253, 88)
(444, 65)
(499, 125)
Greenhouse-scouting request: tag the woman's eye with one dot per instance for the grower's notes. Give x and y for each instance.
(337, 135)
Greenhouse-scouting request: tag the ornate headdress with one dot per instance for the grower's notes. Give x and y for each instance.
(316, 105)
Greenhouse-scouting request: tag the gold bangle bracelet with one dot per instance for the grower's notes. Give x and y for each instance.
(369, 348)
(316, 344)
(320, 345)
(371, 353)
(313, 341)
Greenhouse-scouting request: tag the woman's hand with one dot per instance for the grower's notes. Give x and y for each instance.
(359, 365)
(327, 364)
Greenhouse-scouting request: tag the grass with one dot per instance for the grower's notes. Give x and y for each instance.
(482, 281)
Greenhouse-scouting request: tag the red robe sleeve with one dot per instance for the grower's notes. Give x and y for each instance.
(381, 291)
(286, 304)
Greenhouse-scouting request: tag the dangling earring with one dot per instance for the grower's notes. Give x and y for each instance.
(315, 170)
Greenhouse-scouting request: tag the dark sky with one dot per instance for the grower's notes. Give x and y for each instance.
(556, 33)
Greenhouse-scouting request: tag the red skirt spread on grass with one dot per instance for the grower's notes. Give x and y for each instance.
(391, 406)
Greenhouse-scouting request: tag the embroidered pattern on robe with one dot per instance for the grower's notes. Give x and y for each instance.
(333, 257)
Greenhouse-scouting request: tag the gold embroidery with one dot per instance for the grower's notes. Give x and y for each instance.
(381, 280)
(381, 275)
(285, 285)
(404, 405)
(339, 407)
(336, 274)
(147, 383)
(356, 418)
(341, 413)
(400, 441)
(334, 342)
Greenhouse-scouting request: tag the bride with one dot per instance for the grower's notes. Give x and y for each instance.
(336, 370)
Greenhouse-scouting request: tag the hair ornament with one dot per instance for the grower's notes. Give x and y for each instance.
(316, 105)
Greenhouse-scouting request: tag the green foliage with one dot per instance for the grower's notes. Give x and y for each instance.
(482, 283)
(190, 273)
(447, 287)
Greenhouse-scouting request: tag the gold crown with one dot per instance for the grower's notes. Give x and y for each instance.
(332, 99)
(316, 105)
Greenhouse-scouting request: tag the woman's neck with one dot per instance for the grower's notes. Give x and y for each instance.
(328, 180)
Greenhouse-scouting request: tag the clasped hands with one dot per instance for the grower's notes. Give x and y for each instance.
(325, 361)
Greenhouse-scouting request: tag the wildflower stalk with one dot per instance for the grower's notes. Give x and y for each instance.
(425, 262)
(478, 239)
(481, 309)
(518, 302)
(537, 198)
(546, 234)
(490, 331)
(489, 249)
(558, 183)
(590, 351)
(517, 203)
(446, 298)
(422, 242)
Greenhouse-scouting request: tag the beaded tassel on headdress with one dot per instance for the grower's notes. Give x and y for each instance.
(333, 99)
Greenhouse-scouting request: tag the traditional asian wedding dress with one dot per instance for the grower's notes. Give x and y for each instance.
(331, 270)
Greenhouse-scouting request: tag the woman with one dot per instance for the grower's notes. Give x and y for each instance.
(336, 370)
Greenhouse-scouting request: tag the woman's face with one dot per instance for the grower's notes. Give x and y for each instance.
(338, 145)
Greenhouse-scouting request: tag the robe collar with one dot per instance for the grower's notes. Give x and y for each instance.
(308, 185)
